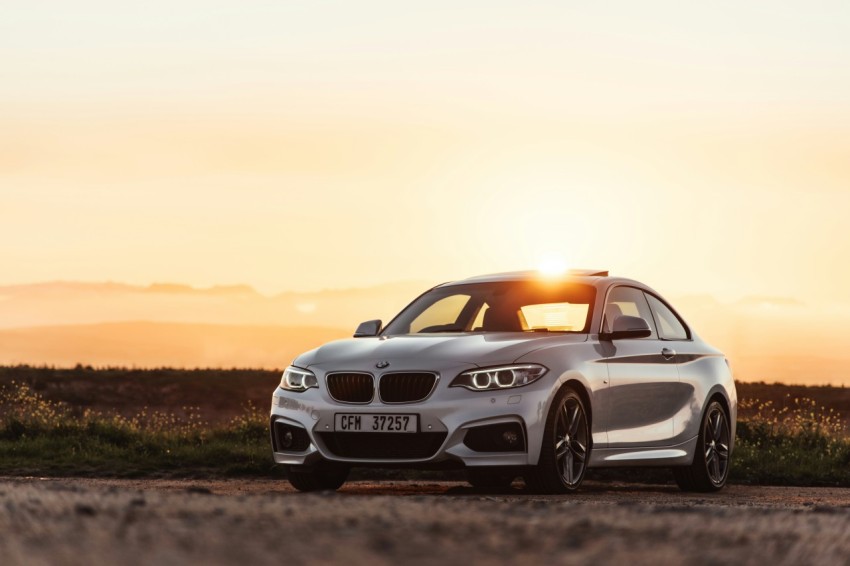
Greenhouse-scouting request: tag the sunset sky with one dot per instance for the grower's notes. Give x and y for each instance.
(300, 145)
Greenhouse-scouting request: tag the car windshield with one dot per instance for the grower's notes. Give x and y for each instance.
(503, 306)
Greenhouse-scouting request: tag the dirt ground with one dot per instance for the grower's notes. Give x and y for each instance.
(88, 521)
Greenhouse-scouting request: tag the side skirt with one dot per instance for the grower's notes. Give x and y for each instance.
(678, 455)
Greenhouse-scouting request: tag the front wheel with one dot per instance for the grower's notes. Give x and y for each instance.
(317, 479)
(710, 467)
(564, 453)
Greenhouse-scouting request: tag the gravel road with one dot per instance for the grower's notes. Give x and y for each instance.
(83, 521)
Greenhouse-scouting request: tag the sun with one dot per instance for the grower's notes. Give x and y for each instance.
(552, 266)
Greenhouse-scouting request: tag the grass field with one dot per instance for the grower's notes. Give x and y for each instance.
(200, 423)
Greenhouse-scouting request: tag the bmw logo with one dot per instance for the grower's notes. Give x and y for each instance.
(382, 364)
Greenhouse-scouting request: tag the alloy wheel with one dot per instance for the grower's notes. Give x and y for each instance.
(571, 442)
(716, 446)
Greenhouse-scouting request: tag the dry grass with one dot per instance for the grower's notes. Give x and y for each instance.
(38, 436)
(800, 443)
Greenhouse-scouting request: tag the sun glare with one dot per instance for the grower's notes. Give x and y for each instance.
(552, 266)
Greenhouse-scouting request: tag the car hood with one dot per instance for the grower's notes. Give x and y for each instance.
(416, 350)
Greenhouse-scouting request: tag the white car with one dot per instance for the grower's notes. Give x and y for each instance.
(508, 375)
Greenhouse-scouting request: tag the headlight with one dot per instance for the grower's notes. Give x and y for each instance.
(503, 377)
(295, 379)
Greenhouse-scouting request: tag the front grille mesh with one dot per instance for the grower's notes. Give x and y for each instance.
(383, 445)
(406, 387)
(351, 387)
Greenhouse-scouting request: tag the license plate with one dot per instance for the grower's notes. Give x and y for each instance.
(369, 422)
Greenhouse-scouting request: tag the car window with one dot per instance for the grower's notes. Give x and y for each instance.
(670, 327)
(627, 301)
(440, 316)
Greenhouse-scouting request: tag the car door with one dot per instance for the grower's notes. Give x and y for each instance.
(644, 388)
(676, 336)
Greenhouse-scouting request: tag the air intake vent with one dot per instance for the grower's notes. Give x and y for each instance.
(383, 445)
(351, 387)
(406, 387)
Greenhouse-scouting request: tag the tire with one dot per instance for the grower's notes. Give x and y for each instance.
(317, 479)
(566, 446)
(489, 479)
(710, 468)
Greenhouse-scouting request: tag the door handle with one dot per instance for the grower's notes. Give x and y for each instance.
(668, 353)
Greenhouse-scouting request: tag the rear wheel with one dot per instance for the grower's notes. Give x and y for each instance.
(564, 453)
(484, 478)
(710, 467)
(317, 479)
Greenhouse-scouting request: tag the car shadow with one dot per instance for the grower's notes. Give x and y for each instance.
(593, 489)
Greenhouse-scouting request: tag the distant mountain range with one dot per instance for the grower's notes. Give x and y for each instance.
(161, 344)
(62, 303)
(167, 324)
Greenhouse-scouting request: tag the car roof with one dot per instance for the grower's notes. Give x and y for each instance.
(595, 277)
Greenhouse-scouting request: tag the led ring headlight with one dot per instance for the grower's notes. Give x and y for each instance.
(297, 379)
(502, 377)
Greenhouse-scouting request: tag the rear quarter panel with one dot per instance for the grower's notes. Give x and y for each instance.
(707, 372)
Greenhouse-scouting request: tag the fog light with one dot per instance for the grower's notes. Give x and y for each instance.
(289, 438)
(501, 437)
(286, 440)
(510, 438)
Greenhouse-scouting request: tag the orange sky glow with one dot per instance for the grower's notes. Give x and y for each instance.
(301, 146)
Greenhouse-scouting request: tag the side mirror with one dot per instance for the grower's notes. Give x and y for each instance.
(628, 327)
(368, 328)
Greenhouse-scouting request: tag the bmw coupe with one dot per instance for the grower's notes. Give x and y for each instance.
(513, 375)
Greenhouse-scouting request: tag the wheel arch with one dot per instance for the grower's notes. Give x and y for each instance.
(581, 389)
(718, 396)
(538, 475)
(575, 380)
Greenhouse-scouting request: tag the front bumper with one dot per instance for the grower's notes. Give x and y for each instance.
(445, 419)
